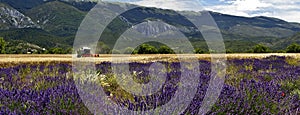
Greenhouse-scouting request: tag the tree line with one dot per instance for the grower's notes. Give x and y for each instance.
(20, 47)
(260, 48)
(163, 49)
(11, 48)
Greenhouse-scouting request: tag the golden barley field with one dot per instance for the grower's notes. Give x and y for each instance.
(11, 59)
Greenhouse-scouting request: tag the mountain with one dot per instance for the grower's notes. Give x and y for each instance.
(35, 36)
(56, 22)
(255, 26)
(235, 25)
(241, 30)
(283, 43)
(153, 28)
(57, 18)
(12, 18)
(23, 5)
(82, 5)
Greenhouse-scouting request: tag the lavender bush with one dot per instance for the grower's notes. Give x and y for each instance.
(253, 86)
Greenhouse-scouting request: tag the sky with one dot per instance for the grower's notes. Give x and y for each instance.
(288, 10)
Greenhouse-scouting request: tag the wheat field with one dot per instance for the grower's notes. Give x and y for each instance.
(25, 58)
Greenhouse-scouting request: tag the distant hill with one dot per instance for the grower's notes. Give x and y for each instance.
(23, 5)
(255, 26)
(283, 43)
(82, 5)
(55, 22)
(12, 18)
(57, 18)
(35, 36)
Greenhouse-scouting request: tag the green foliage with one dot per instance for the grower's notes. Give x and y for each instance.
(293, 48)
(165, 50)
(56, 51)
(15, 47)
(284, 43)
(22, 5)
(280, 51)
(69, 51)
(199, 51)
(114, 51)
(229, 51)
(129, 50)
(35, 36)
(147, 49)
(250, 51)
(239, 46)
(63, 19)
(292, 61)
(82, 5)
(102, 48)
(292, 86)
(59, 51)
(21, 47)
(2, 45)
(233, 46)
(261, 49)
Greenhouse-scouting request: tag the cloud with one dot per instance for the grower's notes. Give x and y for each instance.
(287, 10)
(179, 5)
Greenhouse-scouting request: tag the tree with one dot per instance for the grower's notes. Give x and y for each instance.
(2, 46)
(229, 51)
(102, 48)
(199, 51)
(69, 51)
(165, 50)
(280, 51)
(147, 49)
(56, 51)
(114, 51)
(260, 49)
(128, 50)
(293, 48)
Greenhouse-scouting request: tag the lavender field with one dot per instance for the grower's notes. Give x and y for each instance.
(252, 86)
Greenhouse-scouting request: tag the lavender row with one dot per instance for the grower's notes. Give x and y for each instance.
(252, 86)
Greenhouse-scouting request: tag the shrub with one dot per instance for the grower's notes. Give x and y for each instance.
(2, 45)
(199, 51)
(165, 50)
(293, 48)
(261, 49)
(129, 50)
(147, 49)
